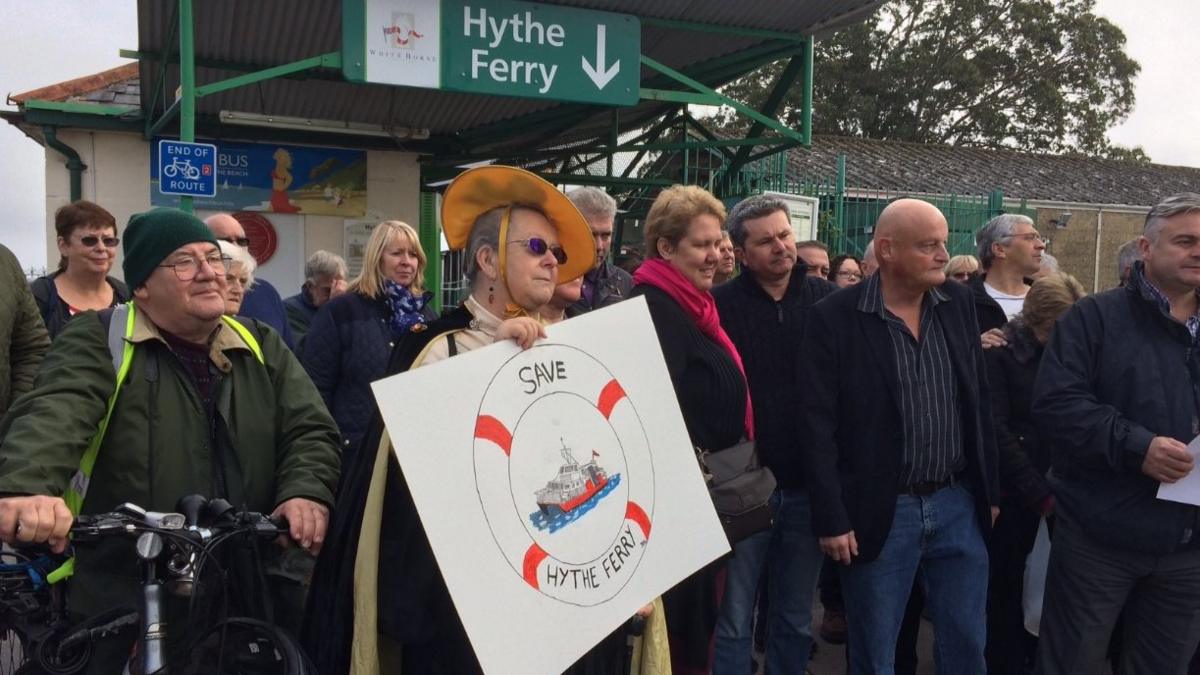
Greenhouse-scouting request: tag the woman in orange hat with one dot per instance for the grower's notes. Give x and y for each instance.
(522, 237)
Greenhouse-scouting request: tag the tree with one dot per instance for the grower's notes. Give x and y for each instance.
(1037, 75)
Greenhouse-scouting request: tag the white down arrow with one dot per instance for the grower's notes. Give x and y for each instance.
(600, 75)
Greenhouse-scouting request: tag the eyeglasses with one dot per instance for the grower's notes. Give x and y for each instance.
(243, 242)
(539, 246)
(187, 268)
(1028, 236)
(849, 275)
(91, 240)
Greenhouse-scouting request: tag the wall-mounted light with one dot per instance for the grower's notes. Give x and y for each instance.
(1062, 220)
(322, 126)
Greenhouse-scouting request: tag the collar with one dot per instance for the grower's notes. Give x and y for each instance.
(871, 300)
(222, 340)
(481, 319)
(1152, 293)
(751, 284)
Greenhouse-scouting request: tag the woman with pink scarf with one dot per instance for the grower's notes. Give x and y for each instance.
(683, 235)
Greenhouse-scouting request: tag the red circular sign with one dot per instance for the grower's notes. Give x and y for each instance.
(264, 240)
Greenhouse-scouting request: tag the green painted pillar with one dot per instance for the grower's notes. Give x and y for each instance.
(431, 242)
(187, 84)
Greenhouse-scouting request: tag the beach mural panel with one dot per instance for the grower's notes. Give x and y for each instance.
(278, 178)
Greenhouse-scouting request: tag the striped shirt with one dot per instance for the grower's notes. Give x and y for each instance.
(932, 440)
(1193, 322)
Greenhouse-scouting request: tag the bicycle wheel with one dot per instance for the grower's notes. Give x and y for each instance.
(245, 646)
(12, 652)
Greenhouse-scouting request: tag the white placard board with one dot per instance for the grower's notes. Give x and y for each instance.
(803, 213)
(557, 486)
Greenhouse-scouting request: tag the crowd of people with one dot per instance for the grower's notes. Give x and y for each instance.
(924, 416)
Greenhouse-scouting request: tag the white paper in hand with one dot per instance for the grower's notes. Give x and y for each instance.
(1186, 489)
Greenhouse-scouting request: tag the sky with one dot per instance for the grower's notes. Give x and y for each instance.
(49, 41)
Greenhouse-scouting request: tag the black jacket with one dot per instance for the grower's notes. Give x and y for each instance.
(413, 599)
(852, 422)
(1116, 373)
(345, 350)
(611, 285)
(767, 335)
(1024, 453)
(53, 309)
(987, 310)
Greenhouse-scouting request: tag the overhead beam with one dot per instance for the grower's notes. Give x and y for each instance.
(327, 60)
(736, 105)
(235, 66)
(769, 107)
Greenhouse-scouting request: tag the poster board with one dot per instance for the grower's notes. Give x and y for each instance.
(551, 518)
(803, 213)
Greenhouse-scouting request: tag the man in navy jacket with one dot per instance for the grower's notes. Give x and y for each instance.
(1118, 393)
(763, 311)
(898, 443)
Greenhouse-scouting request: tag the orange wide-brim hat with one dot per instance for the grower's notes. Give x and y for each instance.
(479, 190)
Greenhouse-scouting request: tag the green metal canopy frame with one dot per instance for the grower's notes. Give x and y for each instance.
(668, 131)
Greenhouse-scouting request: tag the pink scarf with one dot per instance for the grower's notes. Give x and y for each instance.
(701, 307)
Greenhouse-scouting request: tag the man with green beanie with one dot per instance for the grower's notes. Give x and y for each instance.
(208, 405)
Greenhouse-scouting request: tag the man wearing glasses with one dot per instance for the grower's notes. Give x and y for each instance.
(1010, 251)
(262, 301)
(208, 405)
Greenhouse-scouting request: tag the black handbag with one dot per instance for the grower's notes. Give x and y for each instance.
(740, 489)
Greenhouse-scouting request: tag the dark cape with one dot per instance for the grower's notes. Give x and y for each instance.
(413, 599)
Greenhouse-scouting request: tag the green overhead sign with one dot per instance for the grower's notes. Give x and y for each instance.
(497, 47)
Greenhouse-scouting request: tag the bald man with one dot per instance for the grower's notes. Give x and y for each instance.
(261, 301)
(899, 449)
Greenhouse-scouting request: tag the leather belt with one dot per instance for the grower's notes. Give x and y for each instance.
(925, 488)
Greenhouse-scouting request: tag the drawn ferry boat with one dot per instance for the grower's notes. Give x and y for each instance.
(575, 484)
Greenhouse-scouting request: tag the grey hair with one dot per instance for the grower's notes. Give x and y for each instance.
(1049, 263)
(1127, 255)
(995, 231)
(485, 233)
(752, 208)
(324, 264)
(1182, 202)
(593, 203)
(241, 257)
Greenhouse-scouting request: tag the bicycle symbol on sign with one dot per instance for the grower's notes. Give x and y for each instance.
(182, 166)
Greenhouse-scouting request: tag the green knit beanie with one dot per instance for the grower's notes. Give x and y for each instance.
(151, 236)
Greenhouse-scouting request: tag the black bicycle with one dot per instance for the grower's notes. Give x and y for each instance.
(181, 556)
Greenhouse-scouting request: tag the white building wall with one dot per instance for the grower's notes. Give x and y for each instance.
(118, 178)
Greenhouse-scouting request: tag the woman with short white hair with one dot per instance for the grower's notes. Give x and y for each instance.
(239, 275)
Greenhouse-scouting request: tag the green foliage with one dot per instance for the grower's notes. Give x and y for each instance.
(1036, 75)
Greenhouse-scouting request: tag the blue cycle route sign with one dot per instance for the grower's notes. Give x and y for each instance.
(188, 169)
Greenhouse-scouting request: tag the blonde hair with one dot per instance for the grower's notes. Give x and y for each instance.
(962, 263)
(1048, 299)
(673, 211)
(370, 282)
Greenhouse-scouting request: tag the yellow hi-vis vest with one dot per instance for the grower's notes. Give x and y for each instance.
(121, 347)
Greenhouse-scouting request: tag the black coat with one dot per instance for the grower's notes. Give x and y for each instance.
(852, 423)
(989, 312)
(345, 350)
(54, 311)
(767, 335)
(413, 602)
(1024, 453)
(1116, 373)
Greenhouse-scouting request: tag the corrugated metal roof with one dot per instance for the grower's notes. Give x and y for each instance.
(265, 33)
(943, 169)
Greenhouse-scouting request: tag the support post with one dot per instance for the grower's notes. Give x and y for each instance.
(187, 83)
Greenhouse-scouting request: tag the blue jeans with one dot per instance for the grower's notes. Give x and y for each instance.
(790, 555)
(941, 535)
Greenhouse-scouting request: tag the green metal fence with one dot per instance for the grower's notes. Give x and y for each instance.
(846, 216)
